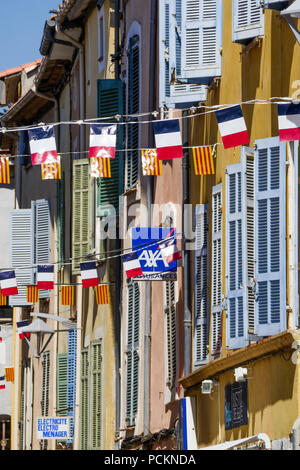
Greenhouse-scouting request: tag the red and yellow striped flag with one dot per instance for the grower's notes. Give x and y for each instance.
(150, 163)
(9, 374)
(4, 170)
(102, 294)
(203, 161)
(100, 167)
(3, 299)
(67, 295)
(32, 294)
(51, 171)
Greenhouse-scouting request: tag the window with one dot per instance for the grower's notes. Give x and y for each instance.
(133, 341)
(216, 268)
(247, 20)
(170, 338)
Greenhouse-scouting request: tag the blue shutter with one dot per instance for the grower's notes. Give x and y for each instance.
(270, 236)
(236, 324)
(201, 276)
(41, 216)
(247, 20)
(71, 379)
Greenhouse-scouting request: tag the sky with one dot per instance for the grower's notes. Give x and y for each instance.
(21, 28)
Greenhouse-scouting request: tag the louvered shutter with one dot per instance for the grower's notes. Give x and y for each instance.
(60, 243)
(71, 379)
(96, 395)
(201, 276)
(21, 230)
(110, 103)
(270, 236)
(170, 332)
(45, 392)
(82, 212)
(248, 20)
(236, 324)
(84, 400)
(216, 269)
(61, 384)
(133, 333)
(41, 214)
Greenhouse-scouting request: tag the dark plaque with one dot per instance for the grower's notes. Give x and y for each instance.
(236, 405)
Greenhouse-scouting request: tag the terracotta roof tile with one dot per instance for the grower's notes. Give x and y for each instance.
(14, 70)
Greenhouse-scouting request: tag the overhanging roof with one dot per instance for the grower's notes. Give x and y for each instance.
(241, 442)
(293, 10)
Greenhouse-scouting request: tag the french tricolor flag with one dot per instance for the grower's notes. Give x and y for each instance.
(169, 251)
(103, 140)
(45, 276)
(168, 139)
(132, 265)
(232, 126)
(42, 145)
(89, 274)
(8, 283)
(2, 382)
(288, 121)
(21, 324)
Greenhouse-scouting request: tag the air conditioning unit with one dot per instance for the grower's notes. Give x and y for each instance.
(187, 424)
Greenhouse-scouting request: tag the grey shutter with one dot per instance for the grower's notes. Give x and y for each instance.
(248, 20)
(133, 333)
(41, 217)
(170, 332)
(84, 400)
(45, 392)
(96, 395)
(216, 268)
(21, 252)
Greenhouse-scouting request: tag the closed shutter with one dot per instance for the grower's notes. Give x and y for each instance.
(41, 215)
(82, 212)
(170, 332)
(236, 325)
(45, 392)
(71, 379)
(84, 400)
(248, 20)
(133, 333)
(270, 236)
(96, 395)
(110, 103)
(21, 252)
(60, 244)
(216, 269)
(201, 276)
(62, 384)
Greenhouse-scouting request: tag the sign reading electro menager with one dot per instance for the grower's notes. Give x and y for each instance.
(53, 428)
(146, 242)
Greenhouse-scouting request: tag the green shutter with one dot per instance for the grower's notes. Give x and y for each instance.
(61, 384)
(110, 103)
(96, 396)
(84, 393)
(82, 212)
(61, 220)
(133, 334)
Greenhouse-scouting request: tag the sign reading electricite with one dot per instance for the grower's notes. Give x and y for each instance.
(53, 428)
(146, 242)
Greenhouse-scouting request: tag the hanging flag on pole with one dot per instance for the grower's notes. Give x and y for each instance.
(169, 251)
(8, 283)
(232, 126)
(32, 294)
(132, 265)
(51, 171)
(102, 294)
(2, 382)
(4, 170)
(3, 299)
(103, 139)
(289, 121)
(42, 145)
(150, 163)
(9, 374)
(45, 276)
(168, 139)
(89, 274)
(20, 324)
(67, 295)
(203, 161)
(100, 167)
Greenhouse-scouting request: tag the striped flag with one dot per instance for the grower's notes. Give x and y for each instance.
(2, 382)
(89, 274)
(102, 294)
(10, 374)
(45, 276)
(232, 126)
(289, 121)
(132, 265)
(150, 163)
(32, 294)
(67, 295)
(4, 170)
(169, 251)
(100, 167)
(3, 299)
(42, 145)
(103, 139)
(20, 324)
(203, 161)
(8, 283)
(51, 171)
(168, 139)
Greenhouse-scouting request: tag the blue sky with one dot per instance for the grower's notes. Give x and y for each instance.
(21, 28)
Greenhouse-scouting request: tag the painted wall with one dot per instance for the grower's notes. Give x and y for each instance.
(5, 402)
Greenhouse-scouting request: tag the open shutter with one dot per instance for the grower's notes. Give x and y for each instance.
(133, 334)
(41, 214)
(170, 332)
(21, 252)
(61, 384)
(84, 400)
(248, 20)
(201, 276)
(82, 212)
(71, 379)
(270, 236)
(216, 269)
(236, 325)
(96, 395)
(110, 103)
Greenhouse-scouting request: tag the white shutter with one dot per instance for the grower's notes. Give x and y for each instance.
(248, 20)
(216, 269)
(41, 215)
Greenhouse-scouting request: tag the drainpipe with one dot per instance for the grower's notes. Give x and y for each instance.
(49, 98)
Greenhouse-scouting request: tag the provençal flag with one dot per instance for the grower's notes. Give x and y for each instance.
(51, 171)
(150, 163)
(102, 294)
(67, 295)
(32, 294)
(4, 170)
(9, 374)
(100, 167)
(203, 161)
(3, 299)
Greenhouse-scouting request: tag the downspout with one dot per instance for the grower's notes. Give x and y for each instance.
(49, 98)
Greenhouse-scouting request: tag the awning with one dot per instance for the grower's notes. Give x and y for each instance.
(239, 442)
(293, 10)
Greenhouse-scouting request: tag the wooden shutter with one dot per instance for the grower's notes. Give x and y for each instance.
(60, 243)
(248, 20)
(71, 379)
(45, 392)
(236, 324)
(21, 252)
(62, 384)
(84, 400)
(201, 276)
(41, 217)
(216, 269)
(82, 212)
(270, 236)
(110, 103)
(133, 334)
(170, 332)
(96, 395)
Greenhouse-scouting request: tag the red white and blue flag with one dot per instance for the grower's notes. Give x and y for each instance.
(20, 324)
(132, 265)
(45, 276)
(8, 283)
(288, 121)
(42, 145)
(168, 139)
(103, 140)
(232, 126)
(169, 251)
(89, 274)
(2, 382)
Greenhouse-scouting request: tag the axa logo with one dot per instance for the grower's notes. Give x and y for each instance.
(150, 259)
